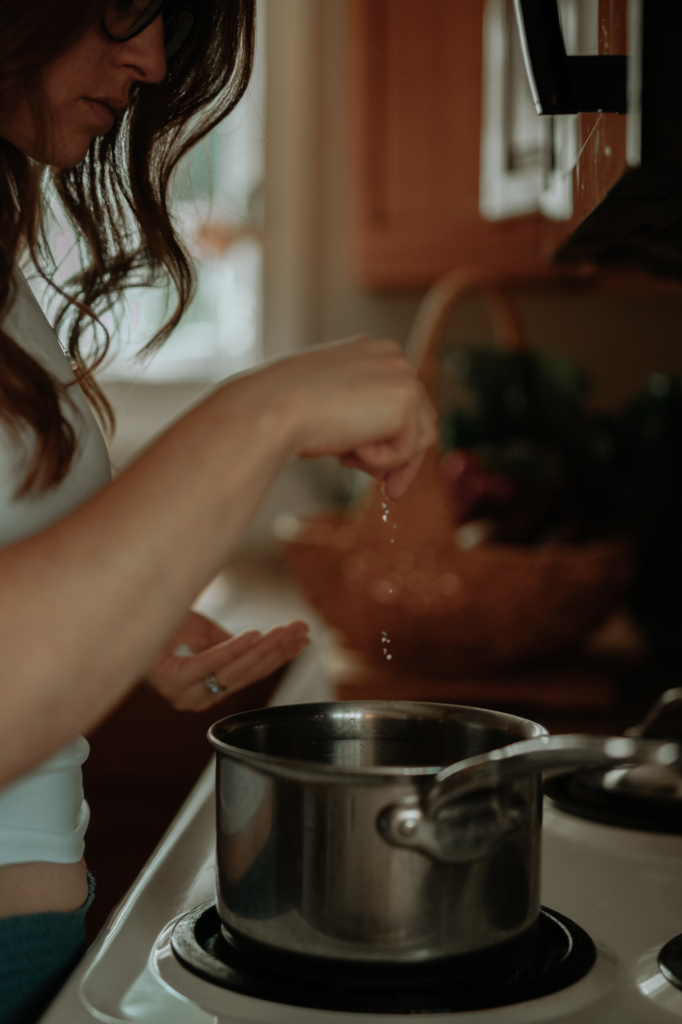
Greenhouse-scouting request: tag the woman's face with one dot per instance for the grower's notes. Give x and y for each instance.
(84, 90)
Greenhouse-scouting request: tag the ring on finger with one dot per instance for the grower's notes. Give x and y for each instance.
(212, 684)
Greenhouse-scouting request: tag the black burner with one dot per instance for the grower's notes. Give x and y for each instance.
(555, 954)
(579, 794)
(670, 961)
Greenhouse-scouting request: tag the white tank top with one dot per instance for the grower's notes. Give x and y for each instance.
(43, 815)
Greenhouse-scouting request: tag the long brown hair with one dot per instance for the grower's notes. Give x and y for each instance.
(116, 200)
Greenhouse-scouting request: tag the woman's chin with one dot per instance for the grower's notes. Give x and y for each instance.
(68, 158)
(61, 155)
(69, 152)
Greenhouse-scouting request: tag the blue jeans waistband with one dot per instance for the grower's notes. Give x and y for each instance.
(37, 954)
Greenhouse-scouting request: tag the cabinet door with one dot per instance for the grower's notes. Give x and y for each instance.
(416, 69)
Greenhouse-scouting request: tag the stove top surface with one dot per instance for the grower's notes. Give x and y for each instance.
(555, 955)
(575, 794)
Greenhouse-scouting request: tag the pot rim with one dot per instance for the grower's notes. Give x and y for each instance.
(317, 771)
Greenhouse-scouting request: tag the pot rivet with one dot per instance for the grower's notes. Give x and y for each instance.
(407, 827)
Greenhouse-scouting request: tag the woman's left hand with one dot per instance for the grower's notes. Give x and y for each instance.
(231, 662)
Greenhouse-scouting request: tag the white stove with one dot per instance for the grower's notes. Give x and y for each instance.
(623, 887)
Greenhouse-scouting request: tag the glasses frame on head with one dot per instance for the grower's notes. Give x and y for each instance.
(167, 8)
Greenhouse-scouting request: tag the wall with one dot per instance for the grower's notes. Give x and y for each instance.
(310, 294)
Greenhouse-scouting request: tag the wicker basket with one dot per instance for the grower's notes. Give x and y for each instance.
(389, 577)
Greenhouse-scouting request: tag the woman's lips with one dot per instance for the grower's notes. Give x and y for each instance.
(105, 114)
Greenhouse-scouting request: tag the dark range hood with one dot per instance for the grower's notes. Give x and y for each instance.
(640, 219)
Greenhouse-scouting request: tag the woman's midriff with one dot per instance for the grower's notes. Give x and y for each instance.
(40, 886)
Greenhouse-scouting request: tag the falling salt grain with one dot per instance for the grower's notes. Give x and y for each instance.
(384, 639)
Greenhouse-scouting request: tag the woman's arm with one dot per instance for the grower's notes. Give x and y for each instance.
(86, 603)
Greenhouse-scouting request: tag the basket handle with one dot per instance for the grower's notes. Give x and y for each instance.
(436, 308)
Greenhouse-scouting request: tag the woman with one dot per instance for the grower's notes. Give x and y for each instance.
(96, 576)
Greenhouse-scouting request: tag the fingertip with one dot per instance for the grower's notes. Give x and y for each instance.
(392, 492)
(291, 631)
(249, 638)
(397, 481)
(395, 485)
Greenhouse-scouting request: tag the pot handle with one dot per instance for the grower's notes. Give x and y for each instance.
(469, 809)
(668, 700)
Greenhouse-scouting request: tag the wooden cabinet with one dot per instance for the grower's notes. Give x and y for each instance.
(416, 110)
(416, 70)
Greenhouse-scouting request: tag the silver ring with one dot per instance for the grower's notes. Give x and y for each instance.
(213, 685)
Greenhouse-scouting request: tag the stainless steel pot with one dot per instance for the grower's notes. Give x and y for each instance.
(341, 836)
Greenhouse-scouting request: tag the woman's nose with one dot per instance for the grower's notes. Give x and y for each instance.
(145, 53)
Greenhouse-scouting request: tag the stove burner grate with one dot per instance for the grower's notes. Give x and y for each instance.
(577, 794)
(554, 955)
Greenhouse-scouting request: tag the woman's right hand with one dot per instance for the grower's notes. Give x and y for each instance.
(361, 401)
